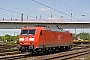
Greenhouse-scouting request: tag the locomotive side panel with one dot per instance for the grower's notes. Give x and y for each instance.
(67, 38)
(46, 38)
(63, 39)
(59, 38)
(53, 38)
(49, 37)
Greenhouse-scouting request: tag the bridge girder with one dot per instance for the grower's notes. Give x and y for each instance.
(12, 25)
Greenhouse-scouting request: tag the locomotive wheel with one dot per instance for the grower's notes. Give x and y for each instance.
(61, 48)
(22, 49)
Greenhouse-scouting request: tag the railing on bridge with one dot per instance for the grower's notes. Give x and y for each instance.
(47, 21)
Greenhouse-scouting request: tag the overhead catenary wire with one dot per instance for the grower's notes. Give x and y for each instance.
(15, 12)
(10, 10)
(53, 9)
(27, 8)
(70, 7)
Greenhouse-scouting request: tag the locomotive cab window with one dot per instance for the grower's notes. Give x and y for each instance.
(32, 32)
(41, 32)
(24, 32)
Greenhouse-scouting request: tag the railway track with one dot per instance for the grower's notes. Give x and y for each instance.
(8, 50)
(64, 55)
(76, 51)
(2, 48)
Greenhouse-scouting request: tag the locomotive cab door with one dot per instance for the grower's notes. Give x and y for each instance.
(42, 34)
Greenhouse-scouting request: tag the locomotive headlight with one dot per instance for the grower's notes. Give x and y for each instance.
(81, 40)
(31, 39)
(21, 39)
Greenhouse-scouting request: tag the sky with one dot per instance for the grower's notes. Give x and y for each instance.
(43, 9)
(32, 8)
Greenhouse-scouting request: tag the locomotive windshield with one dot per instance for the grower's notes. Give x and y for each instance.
(32, 32)
(24, 32)
(28, 32)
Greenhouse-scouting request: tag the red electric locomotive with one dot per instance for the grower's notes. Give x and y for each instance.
(37, 39)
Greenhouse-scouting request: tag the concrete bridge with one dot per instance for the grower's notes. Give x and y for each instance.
(66, 24)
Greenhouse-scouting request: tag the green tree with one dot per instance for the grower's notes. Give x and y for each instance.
(84, 36)
(0, 38)
(3, 38)
(10, 38)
